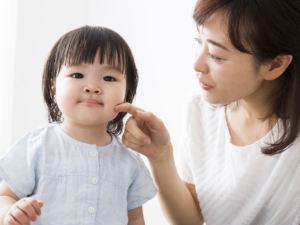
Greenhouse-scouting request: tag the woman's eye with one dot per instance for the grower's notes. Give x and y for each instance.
(198, 41)
(214, 57)
(77, 75)
(110, 79)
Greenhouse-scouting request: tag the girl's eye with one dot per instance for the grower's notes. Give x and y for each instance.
(77, 75)
(214, 57)
(110, 79)
(198, 41)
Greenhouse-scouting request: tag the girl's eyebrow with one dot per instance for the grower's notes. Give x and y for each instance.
(85, 64)
(112, 68)
(74, 64)
(109, 67)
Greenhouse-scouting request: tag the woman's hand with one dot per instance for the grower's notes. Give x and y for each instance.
(145, 133)
(23, 212)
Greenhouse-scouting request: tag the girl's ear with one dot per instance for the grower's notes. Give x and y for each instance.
(53, 88)
(277, 67)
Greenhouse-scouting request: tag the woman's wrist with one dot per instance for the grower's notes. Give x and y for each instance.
(165, 157)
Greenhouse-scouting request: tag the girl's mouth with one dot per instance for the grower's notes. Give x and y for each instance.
(91, 101)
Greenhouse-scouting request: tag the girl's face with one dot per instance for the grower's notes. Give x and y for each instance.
(225, 74)
(87, 93)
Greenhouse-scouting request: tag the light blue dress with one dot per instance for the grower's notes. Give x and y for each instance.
(79, 183)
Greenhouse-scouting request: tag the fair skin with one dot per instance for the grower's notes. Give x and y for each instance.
(227, 76)
(86, 95)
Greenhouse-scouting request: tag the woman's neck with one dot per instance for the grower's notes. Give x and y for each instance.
(86, 133)
(245, 120)
(259, 105)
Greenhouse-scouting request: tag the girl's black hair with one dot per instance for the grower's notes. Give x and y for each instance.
(81, 46)
(270, 28)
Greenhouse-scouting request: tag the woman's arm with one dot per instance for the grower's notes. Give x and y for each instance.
(192, 189)
(176, 198)
(146, 134)
(136, 217)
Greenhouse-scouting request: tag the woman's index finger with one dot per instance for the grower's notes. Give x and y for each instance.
(127, 107)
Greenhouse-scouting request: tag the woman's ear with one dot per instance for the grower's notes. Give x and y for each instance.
(53, 88)
(277, 67)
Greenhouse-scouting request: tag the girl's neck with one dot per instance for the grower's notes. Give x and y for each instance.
(86, 133)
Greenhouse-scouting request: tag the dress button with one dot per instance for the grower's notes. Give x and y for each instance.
(94, 180)
(91, 210)
(93, 153)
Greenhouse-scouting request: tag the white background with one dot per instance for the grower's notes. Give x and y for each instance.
(159, 32)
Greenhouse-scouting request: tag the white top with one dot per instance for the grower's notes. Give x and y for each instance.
(79, 183)
(237, 185)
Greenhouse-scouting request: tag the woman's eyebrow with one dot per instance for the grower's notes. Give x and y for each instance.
(213, 42)
(217, 44)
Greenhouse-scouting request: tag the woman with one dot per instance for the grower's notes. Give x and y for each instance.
(239, 160)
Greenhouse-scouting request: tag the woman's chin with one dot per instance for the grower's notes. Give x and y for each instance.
(215, 100)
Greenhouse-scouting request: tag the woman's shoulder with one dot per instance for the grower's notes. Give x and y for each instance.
(197, 110)
(196, 97)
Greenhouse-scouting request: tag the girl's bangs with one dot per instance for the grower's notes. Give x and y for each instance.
(81, 46)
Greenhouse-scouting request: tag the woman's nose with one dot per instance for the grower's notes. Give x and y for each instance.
(200, 64)
(92, 90)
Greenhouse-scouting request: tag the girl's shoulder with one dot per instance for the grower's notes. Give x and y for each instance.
(30, 145)
(121, 164)
(126, 154)
(40, 133)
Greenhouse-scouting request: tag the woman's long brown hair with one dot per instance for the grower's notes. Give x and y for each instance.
(270, 28)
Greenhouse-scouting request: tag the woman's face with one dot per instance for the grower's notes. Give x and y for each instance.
(226, 74)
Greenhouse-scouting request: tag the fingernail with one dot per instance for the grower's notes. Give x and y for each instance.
(147, 141)
(140, 111)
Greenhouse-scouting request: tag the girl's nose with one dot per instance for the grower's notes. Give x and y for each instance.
(92, 90)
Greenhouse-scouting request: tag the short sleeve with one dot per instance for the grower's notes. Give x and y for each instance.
(17, 169)
(142, 188)
(183, 161)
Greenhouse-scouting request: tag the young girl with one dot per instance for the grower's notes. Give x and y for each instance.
(76, 170)
(239, 162)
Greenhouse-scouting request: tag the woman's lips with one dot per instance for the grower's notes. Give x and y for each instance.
(204, 86)
(89, 101)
